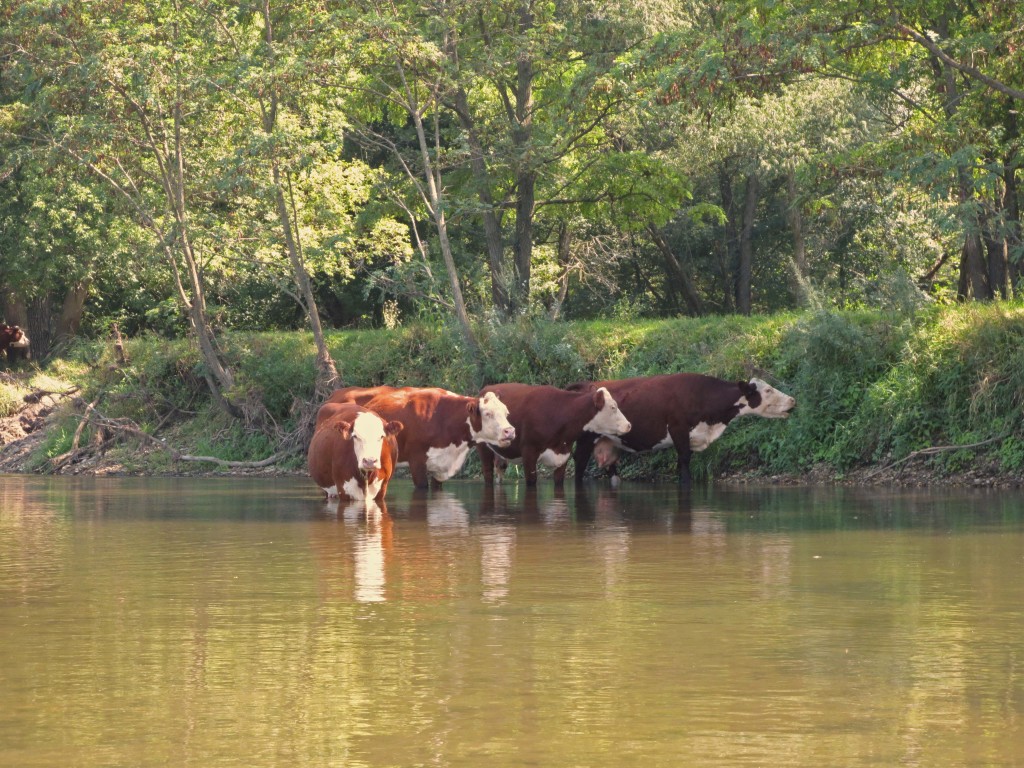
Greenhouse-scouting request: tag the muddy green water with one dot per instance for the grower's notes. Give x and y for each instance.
(244, 623)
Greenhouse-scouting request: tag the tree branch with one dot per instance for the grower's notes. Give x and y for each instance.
(949, 61)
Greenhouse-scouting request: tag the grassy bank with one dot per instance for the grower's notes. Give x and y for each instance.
(872, 388)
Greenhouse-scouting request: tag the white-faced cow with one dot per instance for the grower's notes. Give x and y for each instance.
(439, 426)
(685, 411)
(548, 421)
(353, 452)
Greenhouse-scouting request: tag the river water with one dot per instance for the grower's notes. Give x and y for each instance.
(243, 622)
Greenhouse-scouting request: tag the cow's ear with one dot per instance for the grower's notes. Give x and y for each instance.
(473, 407)
(393, 427)
(345, 428)
(599, 398)
(747, 388)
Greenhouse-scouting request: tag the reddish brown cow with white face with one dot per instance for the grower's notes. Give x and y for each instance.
(353, 453)
(13, 342)
(439, 426)
(548, 421)
(687, 411)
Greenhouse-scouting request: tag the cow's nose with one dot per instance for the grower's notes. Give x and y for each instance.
(509, 433)
(628, 427)
(369, 463)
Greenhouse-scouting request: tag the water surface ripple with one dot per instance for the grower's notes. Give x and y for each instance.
(244, 622)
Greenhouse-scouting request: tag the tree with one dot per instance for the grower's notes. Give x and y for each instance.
(399, 73)
(122, 90)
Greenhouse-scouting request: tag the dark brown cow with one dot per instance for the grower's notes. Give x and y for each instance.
(13, 342)
(440, 426)
(353, 453)
(548, 421)
(687, 411)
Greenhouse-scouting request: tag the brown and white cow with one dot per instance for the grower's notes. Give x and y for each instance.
(687, 411)
(548, 420)
(439, 426)
(14, 342)
(353, 453)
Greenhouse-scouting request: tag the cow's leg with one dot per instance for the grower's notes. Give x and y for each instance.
(418, 470)
(581, 455)
(486, 463)
(683, 466)
(681, 438)
(560, 475)
(530, 457)
(613, 471)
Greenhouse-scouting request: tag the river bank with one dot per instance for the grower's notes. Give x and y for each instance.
(930, 397)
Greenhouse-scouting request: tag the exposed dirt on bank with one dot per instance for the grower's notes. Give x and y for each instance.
(23, 433)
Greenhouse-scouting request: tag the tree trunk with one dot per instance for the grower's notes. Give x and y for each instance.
(72, 310)
(1011, 206)
(526, 176)
(745, 271)
(731, 256)
(998, 262)
(973, 282)
(435, 203)
(564, 261)
(525, 200)
(492, 224)
(326, 371)
(798, 284)
(40, 325)
(677, 275)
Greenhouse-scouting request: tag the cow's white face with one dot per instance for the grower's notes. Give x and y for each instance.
(774, 404)
(609, 419)
(494, 424)
(368, 435)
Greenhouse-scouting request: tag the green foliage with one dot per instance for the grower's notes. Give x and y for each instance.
(232, 442)
(10, 400)
(871, 387)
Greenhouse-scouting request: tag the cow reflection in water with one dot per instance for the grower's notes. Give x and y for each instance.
(369, 531)
(440, 539)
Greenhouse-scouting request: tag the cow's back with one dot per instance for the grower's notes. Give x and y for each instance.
(679, 401)
(430, 417)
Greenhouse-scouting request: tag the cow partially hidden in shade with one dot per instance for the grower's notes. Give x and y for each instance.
(685, 411)
(439, 426)
(13, 342)
(547, 422)
(353, 452)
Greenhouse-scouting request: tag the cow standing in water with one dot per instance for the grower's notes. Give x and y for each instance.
(548, 420)
(687, 411)
(353, 453)
(439, 426)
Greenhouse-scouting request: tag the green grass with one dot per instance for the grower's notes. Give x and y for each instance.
(871, 387)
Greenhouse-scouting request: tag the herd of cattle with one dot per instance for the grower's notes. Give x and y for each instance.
(364, 433)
